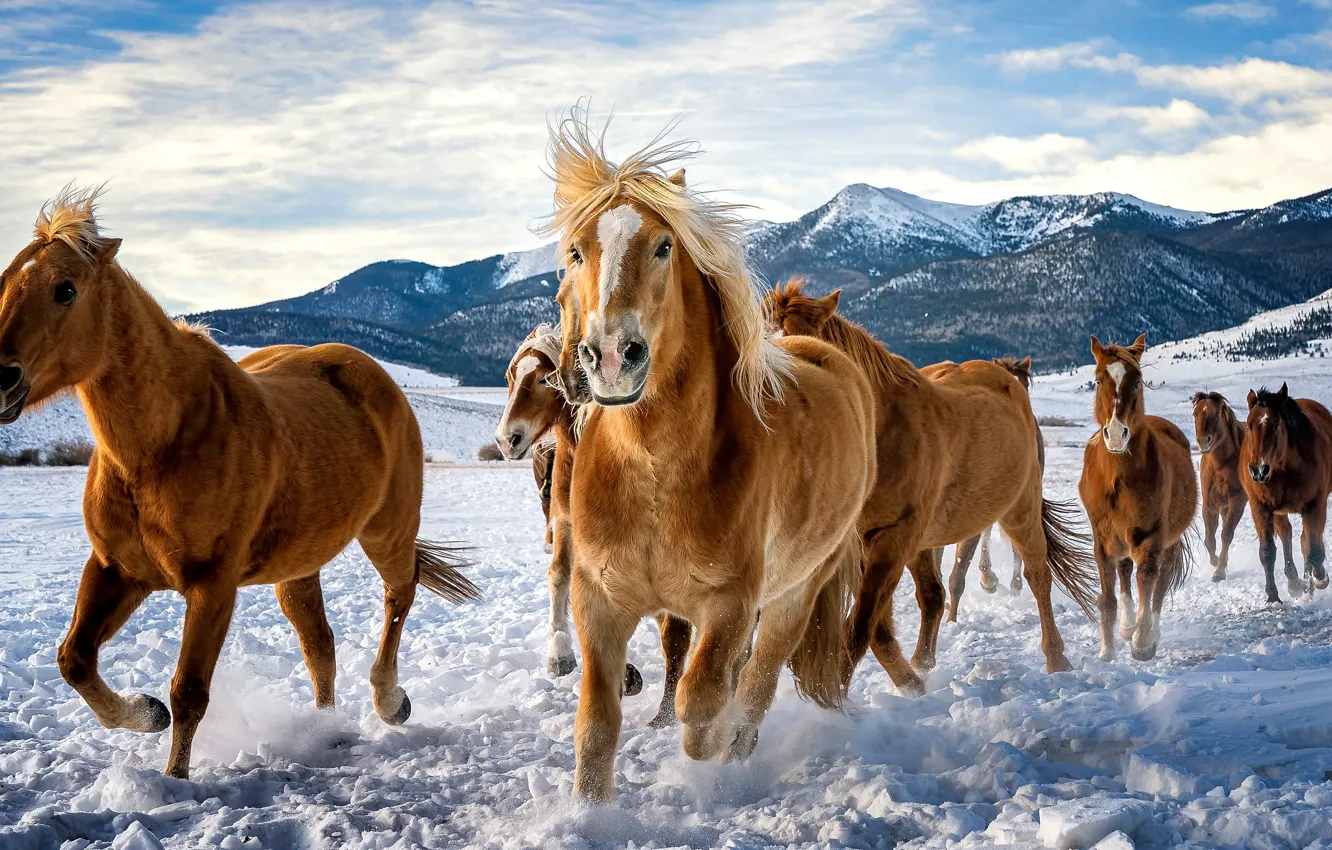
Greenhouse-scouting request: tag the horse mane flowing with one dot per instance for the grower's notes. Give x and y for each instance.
(711, 231)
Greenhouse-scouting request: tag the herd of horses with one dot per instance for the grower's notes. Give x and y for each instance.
(750, 468)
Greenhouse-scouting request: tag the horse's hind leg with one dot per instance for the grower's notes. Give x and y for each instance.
(676, 633)
(107, 597)
(957, 579)
(1281, 525)
(395, 562)
(930, 598)
(1024, 525)
(1015, 583)
(1311, 526)
(989, 581)
(302, 600)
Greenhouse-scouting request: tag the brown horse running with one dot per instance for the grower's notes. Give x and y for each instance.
(719, 472)
(1221, 436)
(957, 580)
(1140, 494)
(209, 475)
(957, 444)
(1288, 457)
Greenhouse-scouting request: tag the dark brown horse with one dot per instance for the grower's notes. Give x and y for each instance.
(1140, 494)
(1288, 457)
(957, 580)
(1221, 436)
(210, 475)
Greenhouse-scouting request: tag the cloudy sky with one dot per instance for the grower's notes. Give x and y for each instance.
(257, 150)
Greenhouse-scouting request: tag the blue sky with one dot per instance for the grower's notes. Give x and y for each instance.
(256, 150)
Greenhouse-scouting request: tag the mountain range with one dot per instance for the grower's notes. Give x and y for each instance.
(1025, 275)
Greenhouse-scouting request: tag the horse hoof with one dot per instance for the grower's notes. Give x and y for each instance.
(989, 584)
(1107, 653)
(915, 689)
(1320, 583)
(561, 666)
(148, 714)
(923, 665)
(400, 716)
(743, 745)
(633, 681)
(1219, 575)
(1058, 664)
(1144, 654)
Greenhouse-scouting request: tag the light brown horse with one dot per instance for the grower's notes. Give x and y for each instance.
(1220, 435)
(1288, 457)
(719, 473)
(957, 446)
(1140, 494)
(957, 580)
(209, 475)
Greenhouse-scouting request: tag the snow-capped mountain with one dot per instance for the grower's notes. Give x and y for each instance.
(935, 280)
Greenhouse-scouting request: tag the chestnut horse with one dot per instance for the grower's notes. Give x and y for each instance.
(957, 580)
(957, 444)
(1140, 494)
(1288, 457)
(1221, 436)
(209, 474)
(719, 471)
(536, 406)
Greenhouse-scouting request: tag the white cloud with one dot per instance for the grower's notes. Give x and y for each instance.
(1045, 153)
(1238, 11)
(1175, 117)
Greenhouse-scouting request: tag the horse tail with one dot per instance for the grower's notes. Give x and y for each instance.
(439, 569)
(1068, 554)
(821, 655)
(1179, 560)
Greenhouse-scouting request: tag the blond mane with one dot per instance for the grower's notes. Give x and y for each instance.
(544, 340)
(71, 217)
(711, 231)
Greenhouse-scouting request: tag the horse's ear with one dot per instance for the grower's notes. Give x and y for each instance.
(678, 178)
(831, 301)
(1097, 348)
(1253, 399)
(106, 251)
(1139, 346)
(1283, 393)
(1026, 363)
(1199, 396)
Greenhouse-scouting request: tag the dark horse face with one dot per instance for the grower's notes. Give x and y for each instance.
(1210, 420)
(1276, 427)
(1119, 408)
(790, 312)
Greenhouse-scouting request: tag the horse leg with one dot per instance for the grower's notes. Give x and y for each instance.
(1105, 566)
(930, 597)
(676, 633)
(1128, 613)
(1281, 525)
(1015, 583)
(604, 631)
(989, 581)
(1234, 511)
(1151, 581)
(107, 597)
(1210, 517)
(395, 561)
(208, 609)
(725, 625)
(886, 552)
(1025, 527)
(560, 660)
(302, 600)
(1264, 522)
(1312, 524)
(957, 579)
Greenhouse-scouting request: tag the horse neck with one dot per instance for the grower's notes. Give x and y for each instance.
(882, 366)
(1227, 448)
(149, 381)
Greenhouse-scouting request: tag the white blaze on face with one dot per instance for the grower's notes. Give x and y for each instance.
(615, 230)
(1116, 433)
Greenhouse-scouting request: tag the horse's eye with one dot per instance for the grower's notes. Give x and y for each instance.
(65, 292)
(663, 250)
(550, 381)
(574, 256)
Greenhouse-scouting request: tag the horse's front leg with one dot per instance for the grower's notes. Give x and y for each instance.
(1147, 632)
(560, 660)
(930, 599)
(676, 634)
(106, 599)
(208, 608)
(604, 631)
(1312, 525)
(1281, 524)
(725, 623)
(1264, 524)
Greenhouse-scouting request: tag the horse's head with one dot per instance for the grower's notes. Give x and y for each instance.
(535, 400)
(1020, 369)
(54, 305)
(1119, 407)
(1277, 426)
(790, 312)
(1211, 420)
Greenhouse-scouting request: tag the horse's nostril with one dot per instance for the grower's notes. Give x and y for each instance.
(585, 351)
(515, 440)
(633, 352)
(10, 376)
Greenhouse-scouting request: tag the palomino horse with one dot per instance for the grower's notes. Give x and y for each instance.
(957, 444)
(1288, 456)
(1140, 494)
(535, 407)
(719, 472)
(957, 580)
(209, 475)
(1220, 438)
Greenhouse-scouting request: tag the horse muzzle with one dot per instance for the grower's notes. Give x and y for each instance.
(1260, 472)
(1206, 449)
(1116, 436)
(13, 392)
(514, 441)
(616, 366)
